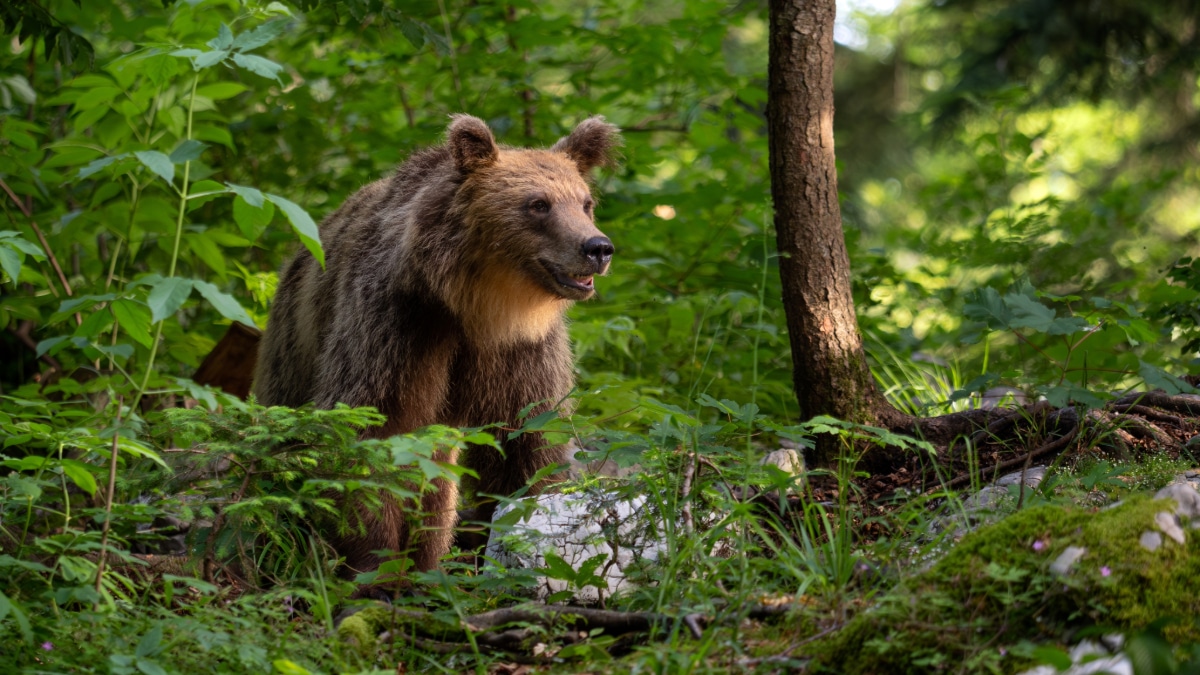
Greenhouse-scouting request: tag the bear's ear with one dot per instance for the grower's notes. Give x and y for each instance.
(471, 143)
(593, 143)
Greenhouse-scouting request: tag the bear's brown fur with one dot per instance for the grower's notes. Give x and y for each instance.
(442, 302)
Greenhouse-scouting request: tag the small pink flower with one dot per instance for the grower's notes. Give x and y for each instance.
(1105, 571)
(1039, 545)
(48, 646)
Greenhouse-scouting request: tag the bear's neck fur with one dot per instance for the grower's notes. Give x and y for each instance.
(501, 306)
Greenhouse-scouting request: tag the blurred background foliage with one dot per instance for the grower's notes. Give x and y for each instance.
(981, 144)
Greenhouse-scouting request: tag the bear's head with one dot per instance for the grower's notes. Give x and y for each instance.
(529, 212)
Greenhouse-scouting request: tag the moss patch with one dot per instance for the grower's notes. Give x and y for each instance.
(359, 630)
(986, 603)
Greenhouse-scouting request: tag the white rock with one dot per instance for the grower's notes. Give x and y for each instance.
(1102, 663)
(1062, 564)
(988, 498)
(787, 460)
(1169, 524)
(579, 526)
(1150, 540)
(1185, 496)
(1033, 477)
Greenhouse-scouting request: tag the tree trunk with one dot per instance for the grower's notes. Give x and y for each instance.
(829, 365)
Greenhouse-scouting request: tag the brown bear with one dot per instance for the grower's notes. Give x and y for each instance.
(442, 302)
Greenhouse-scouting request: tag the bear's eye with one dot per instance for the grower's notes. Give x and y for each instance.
(588, 205)
(539, 206)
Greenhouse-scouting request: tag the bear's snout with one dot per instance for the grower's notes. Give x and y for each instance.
(599, 251)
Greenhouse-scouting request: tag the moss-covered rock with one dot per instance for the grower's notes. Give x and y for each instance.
(361, 629)
(989, 600)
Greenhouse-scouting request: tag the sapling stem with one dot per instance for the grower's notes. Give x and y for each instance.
(183, 199)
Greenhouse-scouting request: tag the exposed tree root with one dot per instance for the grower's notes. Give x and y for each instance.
(516, 631)
(983, 444)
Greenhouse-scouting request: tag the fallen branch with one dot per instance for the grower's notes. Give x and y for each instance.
(1148, 413)
(1181, 404)
(518, 629)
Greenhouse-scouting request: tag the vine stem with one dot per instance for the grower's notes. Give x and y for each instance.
(183, 200)
(108, 500)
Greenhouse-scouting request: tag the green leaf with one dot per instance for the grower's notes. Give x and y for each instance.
(440, 44)
(132, 447)
(70, 306)
(45, 346)
(1028, 313)
(1061, 396)
(93, 325)
(587, 571)
(224, 303)
(8, 607)
(209, 59)
(15, 240)
(167, 296)
(221, 90)
(304, 226)
(150, 643)
(258, 65)
(286, 667)
(557, 568)
(118, 351)
(224, 39)
(253, 196)
(98, 165)
(986, 305)
(187, 151)
(10, 262)
(135, 320)
(1160, 379)
(411, 31)
(158, 163)
(537, 423)
(1138, 331)
(207, 250)
(976, 385)
(80, 474)
(21, 89)
(148, 667)
(252, 220)
(1068, 326)
(260, 36)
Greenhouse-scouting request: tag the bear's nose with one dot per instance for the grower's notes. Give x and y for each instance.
(599, 250)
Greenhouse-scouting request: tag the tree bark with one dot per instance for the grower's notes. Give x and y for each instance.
(830, 369)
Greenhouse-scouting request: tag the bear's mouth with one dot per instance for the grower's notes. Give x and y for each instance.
(576, 286)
